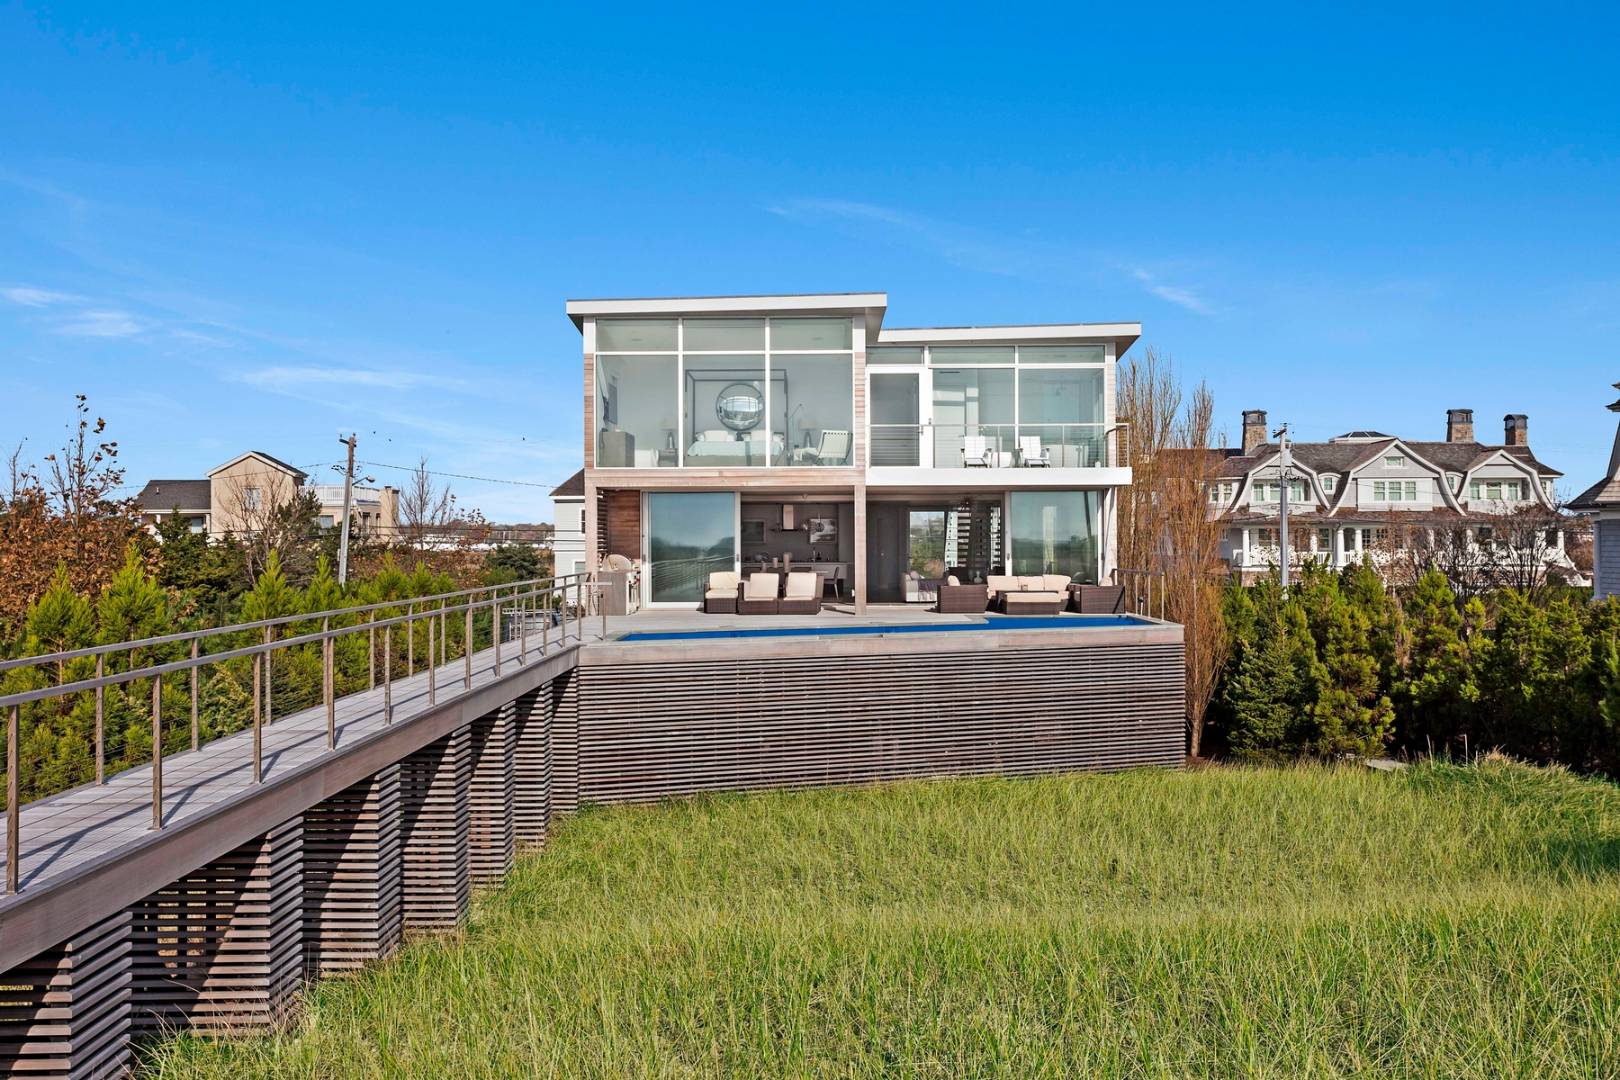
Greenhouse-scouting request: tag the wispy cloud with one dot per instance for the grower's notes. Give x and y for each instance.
(1175, 294)
(101, 323)
(28, 296)
(1015, 256)
(292, 379)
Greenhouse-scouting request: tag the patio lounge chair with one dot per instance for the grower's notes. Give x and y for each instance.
(831, 449)
(975, 451)
(721, 597)
(1031, 453)
(758, 595)
(801, 594)
(956, 598)
(1097, 599)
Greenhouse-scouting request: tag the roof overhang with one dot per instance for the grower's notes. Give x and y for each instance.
(1122, 334)
(869, 306)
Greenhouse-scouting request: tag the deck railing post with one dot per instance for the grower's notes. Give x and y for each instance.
(563, 630)
(523, 629)
(495, 632)
(258, 727)
(433, 668)
(13, 798)
(371, 651)
(269, 676)
(157, 751)
(545, 621)
(410, 640)
(444, 638)
(329, 683)
(196, 728)
(466, 648)
(388, 676)
(601, 605)
(101, 745)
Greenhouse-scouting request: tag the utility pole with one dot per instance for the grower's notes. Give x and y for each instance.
(348, 502)
(1285, 473)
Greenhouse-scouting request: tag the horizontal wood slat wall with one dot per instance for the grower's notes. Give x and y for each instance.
(494, 746)
(352, 875)
(531, 769)
(435, 820)
(662, 729)
(565, 743)
(66, 1013)
(222, 949)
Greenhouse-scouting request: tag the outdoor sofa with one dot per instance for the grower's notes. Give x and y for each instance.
(801, 594)
(758, 595)
(955, 598)
(1097, 599)
(1030, 594)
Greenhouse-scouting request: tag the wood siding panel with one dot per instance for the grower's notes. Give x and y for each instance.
(619, 523)
(494, 752)
(531, 769)
(352, 912)
(436, 874)
(66, 1012)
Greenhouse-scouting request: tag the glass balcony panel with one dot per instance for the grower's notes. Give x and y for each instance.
(895, 428)
(635, 411)
(973, 417)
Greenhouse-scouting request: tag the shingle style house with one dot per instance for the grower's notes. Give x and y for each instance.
(1368, 492)
(1602, 502)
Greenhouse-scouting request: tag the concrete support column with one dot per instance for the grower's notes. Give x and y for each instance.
(66, 1012)
(494, 747)
(531, 769)
(222, 948)
(434, 783)
(352, 875)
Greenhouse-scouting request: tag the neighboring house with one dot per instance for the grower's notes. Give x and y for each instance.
(734, 432)
(568, 537)
(1601, 502)
(160, 500)
(235, 497)
(1399, 502)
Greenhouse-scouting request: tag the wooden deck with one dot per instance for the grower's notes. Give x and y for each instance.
(93, 848)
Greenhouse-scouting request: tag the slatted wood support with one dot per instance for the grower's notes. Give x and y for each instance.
(494, 742)
(565, 743)
(531, 769)
(655, 730)
(66, 1012)
(352, 875)
(223, 947)
(434, 786)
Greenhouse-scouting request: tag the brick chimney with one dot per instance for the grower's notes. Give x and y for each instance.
(1516, 429)
(1254, 429)
(1459, 425)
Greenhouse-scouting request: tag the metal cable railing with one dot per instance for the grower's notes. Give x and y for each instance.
(561, 602)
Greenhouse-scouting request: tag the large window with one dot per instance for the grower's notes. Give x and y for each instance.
(1054, 532)
(689, 535)
(973, 416)
(725, 392)
(1063, 409)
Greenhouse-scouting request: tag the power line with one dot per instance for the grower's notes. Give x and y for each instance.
(456, 475)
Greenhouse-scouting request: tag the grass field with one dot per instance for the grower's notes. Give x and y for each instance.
(1440, 922)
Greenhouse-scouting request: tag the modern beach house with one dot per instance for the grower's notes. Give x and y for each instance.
(739, 432)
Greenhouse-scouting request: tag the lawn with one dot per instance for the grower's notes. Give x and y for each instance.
(1444, 921)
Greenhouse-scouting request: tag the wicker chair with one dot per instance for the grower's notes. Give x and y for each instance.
(757, 595)
(801, 594)
(721, 597)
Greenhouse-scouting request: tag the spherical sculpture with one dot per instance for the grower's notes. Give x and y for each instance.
(740, 407)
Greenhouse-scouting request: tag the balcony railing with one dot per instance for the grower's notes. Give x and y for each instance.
(955, 446)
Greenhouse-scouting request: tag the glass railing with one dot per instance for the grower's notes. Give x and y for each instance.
(996, 446)
(683, 580)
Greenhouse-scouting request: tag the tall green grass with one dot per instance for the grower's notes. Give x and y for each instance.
(1440, 922)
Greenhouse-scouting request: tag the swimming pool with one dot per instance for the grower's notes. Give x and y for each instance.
(990, 622)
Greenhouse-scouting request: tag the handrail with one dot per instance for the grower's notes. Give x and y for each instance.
(521, 597)
(279, 620)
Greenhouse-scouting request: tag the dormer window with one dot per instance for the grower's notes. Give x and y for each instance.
(1330, 483)
(1454, 481)
(1395, 461)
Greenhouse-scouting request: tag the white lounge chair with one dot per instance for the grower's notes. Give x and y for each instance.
(976, 451)
(1031, 454)
(831, 449)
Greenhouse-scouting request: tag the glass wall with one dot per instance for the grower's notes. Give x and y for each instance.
(1054, 532)
(896, 411)
(635, 411)
(725, 392)
(689, 535)
(1062, 408)
(974, 423)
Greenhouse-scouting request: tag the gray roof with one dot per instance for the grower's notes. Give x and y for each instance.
(160, 495)
(1605, 492)
(573, 487)
(1341, 457)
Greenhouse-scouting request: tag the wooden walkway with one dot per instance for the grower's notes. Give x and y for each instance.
(65, 836)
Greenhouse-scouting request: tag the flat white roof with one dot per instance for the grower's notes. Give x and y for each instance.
(1122, 334)
(871, 305)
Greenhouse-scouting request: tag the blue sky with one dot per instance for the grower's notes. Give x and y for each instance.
(240, 228)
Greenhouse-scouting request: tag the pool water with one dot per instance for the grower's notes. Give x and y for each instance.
(990, 622)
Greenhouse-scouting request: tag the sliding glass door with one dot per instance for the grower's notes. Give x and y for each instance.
(689, 535)
(1054, 532)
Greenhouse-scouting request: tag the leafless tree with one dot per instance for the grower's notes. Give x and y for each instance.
(269, 512)
(1165, 527)
(1526, 548)
(426, 509)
